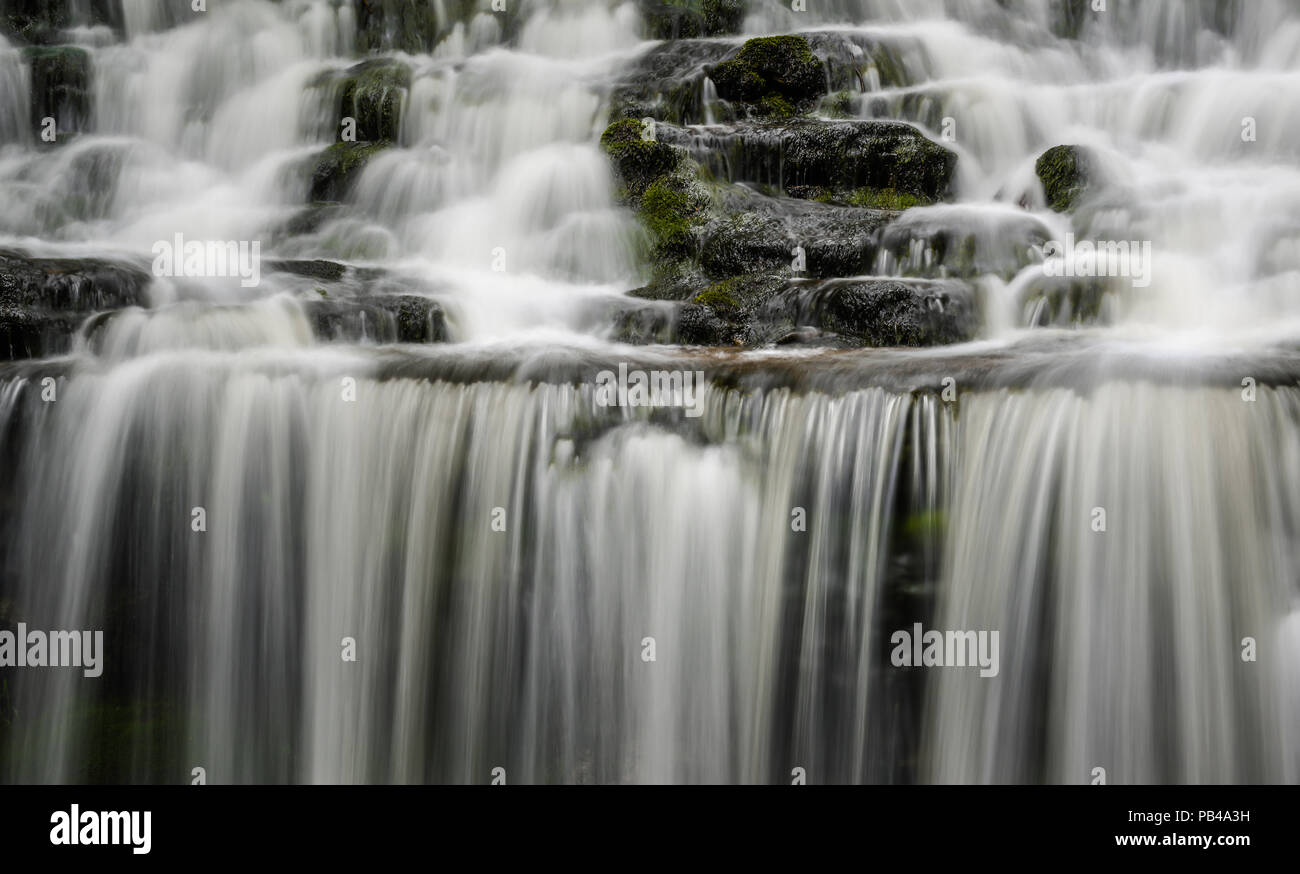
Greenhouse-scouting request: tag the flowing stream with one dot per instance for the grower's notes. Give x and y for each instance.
(573, 592)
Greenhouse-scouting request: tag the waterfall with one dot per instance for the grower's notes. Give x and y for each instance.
(368, 520)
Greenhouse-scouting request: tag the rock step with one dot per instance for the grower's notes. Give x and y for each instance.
(45, 302)
(667, 81)
(764, 310)
(816, 158)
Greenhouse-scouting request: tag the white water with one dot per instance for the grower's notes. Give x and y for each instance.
(523, 649)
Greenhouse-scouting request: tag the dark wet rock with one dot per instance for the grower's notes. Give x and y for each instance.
(396, 318)
(817, 158)
(60, 88)
(43, 300)
(309, 268)
(699, 325)
(854, 61)
(732, 312)
(44, 22)
(684, 19)
(416, 26)
(765, 309)
(404, 25)
(1065, 302)
(667, 82)
(352, 304)
(1064, 172)
(335, 170)
(373, 93)
(76, 285)
(956, 242)
(765, 233)
(676, 279)
(27, 334)
(629, 320)
(884, 312)
(308, 220)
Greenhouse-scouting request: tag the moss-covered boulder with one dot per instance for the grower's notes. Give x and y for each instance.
(683, 19)
(60, 88)
(638, 156)
(1064, 172)
(775, 74)
(335, 170)
(373, 93)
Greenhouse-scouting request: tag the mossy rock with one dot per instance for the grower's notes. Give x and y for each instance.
(60, 88)
(372, 92)
(780, 69)
(818, 159)
(1064, 172)
(335, 170)
(718, 297)
(671, 207)
(639, 161)
(684, 19)
(885, 198)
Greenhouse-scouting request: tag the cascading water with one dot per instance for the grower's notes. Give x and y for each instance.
(394, 442)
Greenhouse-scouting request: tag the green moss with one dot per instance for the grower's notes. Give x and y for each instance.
(335, 170)
(373, 94)
(773, 65)
(885, 198)
(720, 297)
(1063, 170)
(60, 86)
(686, 19)
(776, 106)
(667, 213)
(838, 105)
(925, 525)
(639, 161)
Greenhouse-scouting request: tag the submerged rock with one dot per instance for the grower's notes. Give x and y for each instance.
(336, 169)
(888, 312)
(373, 93)
(691, 18)
(395, 318)
(1064, 172)
(667, 82)
(60, 88)
(25, 334)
